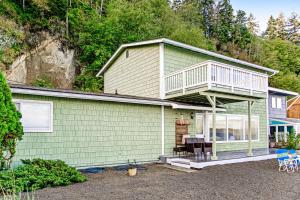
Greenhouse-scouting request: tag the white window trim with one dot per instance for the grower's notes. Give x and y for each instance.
(32, 130)
(244, 130)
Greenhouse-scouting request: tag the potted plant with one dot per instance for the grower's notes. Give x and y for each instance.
(293, 141)
(132, 168)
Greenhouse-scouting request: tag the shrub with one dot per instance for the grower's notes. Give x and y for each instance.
(11, 129)
(37, 174)
(43, 82)
(293, 140)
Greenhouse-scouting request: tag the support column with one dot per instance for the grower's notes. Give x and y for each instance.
(276, 134)
(285, 133)
(250, 153)
(214, 144)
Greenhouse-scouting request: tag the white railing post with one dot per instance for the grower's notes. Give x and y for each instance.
(183, 81)
(251, 83)
(209, 75)
(231, 79)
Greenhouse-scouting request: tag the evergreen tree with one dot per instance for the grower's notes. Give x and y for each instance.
(293, 29)
(241, 35)
(207, 11)
(252, 25)
(224, 23)
(11, 129)
(271, 28)
(280, 27)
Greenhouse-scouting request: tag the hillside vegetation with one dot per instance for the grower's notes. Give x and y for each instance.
(96, 28)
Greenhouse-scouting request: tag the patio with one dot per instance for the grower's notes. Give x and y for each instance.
(226, 157)
(247, 181)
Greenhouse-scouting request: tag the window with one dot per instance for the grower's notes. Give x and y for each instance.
(279, 103)
(199, 124)
(127, 53)
(220, 126)
(37, 116)
(254, 128)
(233, 127)
(273, 102)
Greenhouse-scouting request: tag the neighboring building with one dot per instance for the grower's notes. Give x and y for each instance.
(293, 108)
(279, 122)
(147, 86)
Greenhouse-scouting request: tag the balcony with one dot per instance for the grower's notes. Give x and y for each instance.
(216, 77)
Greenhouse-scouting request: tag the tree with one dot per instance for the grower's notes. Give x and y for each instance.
(224, 23)
(293, 28)
(252, 25)
(271, 28)
(240, 34)
(207, 11)
(280, 27)
(11, 129)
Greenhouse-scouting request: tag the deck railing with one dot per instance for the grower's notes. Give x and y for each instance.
(213, 73)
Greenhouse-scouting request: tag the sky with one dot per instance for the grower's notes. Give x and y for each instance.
(263, 9)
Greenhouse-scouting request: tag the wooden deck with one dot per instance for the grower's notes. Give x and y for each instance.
(227, 157)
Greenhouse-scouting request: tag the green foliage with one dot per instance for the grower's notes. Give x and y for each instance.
(293, 140)
(96, 34)
(37, 174)
(88, 83)
(11, 130)
(43, 82)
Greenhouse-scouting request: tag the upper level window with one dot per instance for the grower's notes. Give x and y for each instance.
(279, 103)
(37, 116)
(276, 102)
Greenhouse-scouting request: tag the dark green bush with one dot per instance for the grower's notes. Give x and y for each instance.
(37, 174)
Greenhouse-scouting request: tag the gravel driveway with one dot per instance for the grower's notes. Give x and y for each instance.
(252, 180)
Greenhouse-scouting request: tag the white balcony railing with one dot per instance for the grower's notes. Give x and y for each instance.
(216, 74)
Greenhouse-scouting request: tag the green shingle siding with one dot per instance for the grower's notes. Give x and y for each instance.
(178, 58)
(137, 75)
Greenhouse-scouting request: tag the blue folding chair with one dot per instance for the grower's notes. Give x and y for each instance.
(295, 158)
(284, 161)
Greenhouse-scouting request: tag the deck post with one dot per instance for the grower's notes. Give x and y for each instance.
(250, 153)
(214, 144)
(276, 134)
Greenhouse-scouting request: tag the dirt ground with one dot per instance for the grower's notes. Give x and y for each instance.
(252, 180)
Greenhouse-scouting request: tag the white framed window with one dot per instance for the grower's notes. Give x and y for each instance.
(273, 102)
(233, 128)
(37, 116)
(279, 102)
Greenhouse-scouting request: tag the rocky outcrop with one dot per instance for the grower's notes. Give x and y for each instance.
(50, 60)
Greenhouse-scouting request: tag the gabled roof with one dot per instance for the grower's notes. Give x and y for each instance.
(282, 92)
(184, 46)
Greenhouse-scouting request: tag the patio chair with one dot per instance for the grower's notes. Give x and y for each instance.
(284, 162)
(295, 158)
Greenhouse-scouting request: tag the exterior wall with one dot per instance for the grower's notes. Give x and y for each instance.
(87, 133)
(90, 133)
(137, 75)
(275, 112)
(177, 58)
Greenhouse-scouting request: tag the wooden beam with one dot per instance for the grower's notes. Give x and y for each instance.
(228, 96)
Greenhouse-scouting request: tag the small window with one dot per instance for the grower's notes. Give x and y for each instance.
(127, 53)
(279, 103)
(273, 102)
(37, 116)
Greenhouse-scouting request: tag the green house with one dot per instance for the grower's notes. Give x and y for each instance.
(147, 87)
